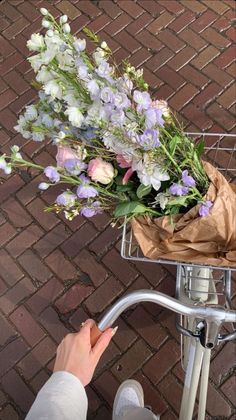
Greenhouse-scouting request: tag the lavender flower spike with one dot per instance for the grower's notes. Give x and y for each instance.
(205, 208)
(142, 99)
(177, 189)
(66, 199)
(85, 190)
(91, 209)
(188, 180)
(52, 174)
(149, 139)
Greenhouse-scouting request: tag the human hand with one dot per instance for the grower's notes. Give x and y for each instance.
(76, 355)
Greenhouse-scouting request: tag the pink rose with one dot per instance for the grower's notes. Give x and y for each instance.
(64, 153)
(100, 171)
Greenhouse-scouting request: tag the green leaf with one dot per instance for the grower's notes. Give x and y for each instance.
(173, 143)
(200, 148)
(143, 190)
(178, 201)
(129, 207)
(124, 188)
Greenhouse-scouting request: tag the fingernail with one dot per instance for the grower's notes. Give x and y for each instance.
(114, 331)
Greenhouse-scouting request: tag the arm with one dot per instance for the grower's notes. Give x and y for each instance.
(63, 396)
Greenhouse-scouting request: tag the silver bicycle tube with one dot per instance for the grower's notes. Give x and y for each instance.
(204, 384)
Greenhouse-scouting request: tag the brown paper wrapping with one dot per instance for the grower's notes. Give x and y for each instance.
(207, 240)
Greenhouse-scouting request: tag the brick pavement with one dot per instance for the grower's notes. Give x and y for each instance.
(55, 274)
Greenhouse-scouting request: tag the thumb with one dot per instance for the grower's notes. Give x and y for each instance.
(102, 343)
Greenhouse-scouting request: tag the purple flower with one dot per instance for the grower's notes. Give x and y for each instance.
(93, 89)
(153, 117)
(107, 95)
(121, 100)
(205, 208)
(149, 139)
(104, 70)
(177, 189)
(83, 72)
(117, 117)
(188, 180)
(85, 190)
(142, 99)
(66, 199)
(74, 166)
(52, 174)
(92, 209)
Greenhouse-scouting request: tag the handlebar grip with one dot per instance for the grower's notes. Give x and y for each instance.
(95, 334)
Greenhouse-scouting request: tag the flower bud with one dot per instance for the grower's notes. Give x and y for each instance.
(44, 186)
(63, 19)
(46, 24)
(66, 28)
(104, 45)
(43, 11)
(50, 33)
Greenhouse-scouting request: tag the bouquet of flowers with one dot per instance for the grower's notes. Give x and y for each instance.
(117, 149)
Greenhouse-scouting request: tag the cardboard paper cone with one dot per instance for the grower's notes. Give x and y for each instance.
(190, 238)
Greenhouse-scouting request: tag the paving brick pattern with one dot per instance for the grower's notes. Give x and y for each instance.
(55, 274)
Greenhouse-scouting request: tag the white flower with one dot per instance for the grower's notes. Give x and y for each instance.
(46, 24)
(63, 19)
(93, 89)
(150, 173)
(44, 75)
(75, 116)
(98, 55)
(50, 33)
(36, 42)
(104, 45)
(36, 62)
(53, 89)
(43, 186)
(71, 99)
(66, 28)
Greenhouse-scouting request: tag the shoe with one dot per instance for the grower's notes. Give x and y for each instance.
(129, 394)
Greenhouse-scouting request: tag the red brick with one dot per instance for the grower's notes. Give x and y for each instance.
(139, 24)
(50, 320)
(88, 8)
(183, 96)
(3, 23)
(231, 33)
(147, 327)
(107, 386)
(198, 117)
(27, 10)
(226, 58)
(170, 77)
(216, 404)
(8, 119)
(45, 296)
(228, 98)
(121, 55)
(221, 116)
(161, 22)
(100, 244)
(18, 390)
(110, 8)
(151, 79)
(20, 45)
(193, 39)
(207, 95)
(103, 295)
(165, 92)
(39, 380)
(28, 327)
(133, 9)
(7, 331)
(4, 137)
(6, 233)
(46, 220)
(182, 58)
(23, 100)
(6, 98)
(194, 76)
(99, 23)
(120, 267)
(51, 240)
(16, 82)
(6, 47)
(217, 6)
(9, 11)
(205, 20)
(173, 6)
(24, 288)
(172, 41)
(78, 240)
(205, 57)
(154, 8)
(125, 336)
(213, 37)
(61, 266)
(9, 413)
(73, 297)
(11, 354)
(117, 25)
(87, 264)
(15, 28)
(148, 40)
(24, 240)
(182, 21)
(17, 215)
(222, 363)
(172, 392)
(78, 317)
(159, 59)
(10, 272)
(131, 361)
(78, 24)
(228, 388)
(159, 366)
(3, 287)
(128, 41)
(34, 267)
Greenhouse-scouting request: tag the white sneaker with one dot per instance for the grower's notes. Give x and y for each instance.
(129, 394)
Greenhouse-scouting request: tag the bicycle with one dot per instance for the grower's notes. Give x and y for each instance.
(203, 297)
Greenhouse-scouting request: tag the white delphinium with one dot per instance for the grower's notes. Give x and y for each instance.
(149, 172)
(36, 62)
(98, 55)
(95, 113)
(21, 127)
(70, 98)
(79, 45)
(31, 113)
(44, 75)
(36, 42)
(93, 89)
(53, 89)
(75, 116)
(37, 136)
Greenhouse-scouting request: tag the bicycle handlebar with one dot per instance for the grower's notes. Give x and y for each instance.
(207, 313)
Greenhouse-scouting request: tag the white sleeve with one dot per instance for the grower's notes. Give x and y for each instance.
(63, 397)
